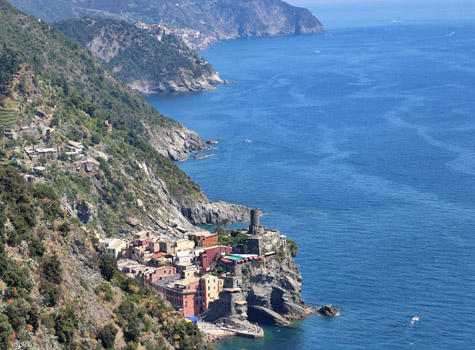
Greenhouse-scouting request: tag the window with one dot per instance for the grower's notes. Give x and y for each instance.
(209, 288)
(186, 303)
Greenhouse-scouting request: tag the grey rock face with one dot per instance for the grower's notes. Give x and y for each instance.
(200, 213)
(86, 212)
(184, 83)
(278, 288)
(264, 315)
(176, 143)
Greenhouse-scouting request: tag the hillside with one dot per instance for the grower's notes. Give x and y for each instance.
(139, 59)
(76, 165)
(216, 20)
(57, 292)
(72, 124)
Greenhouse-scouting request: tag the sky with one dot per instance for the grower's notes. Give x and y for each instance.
(351, 13)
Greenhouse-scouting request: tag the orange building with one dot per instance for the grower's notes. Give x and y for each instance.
(204, 238)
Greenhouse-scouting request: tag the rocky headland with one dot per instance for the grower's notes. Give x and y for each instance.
(263, 284)
(146, 64)
(211, 20)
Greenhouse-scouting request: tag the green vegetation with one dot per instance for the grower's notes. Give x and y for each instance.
(108, 267)
(107, 335)
(104, 291)
(140, 56)
(6, 332)
(10, 62)
(232, 239)
(73, 66)
(26, 312)
(85, 95)
(292, 247)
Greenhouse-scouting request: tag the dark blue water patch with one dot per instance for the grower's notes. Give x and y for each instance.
(360, 147)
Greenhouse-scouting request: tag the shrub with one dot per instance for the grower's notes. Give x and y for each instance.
(50, 292)
(6, 332)
(107, 335)
(17, 312)
(65, 324)
(108, 266)
(104, 290)
(51, 269)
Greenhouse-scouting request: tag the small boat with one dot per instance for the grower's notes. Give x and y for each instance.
(415, 318)
(247, 140)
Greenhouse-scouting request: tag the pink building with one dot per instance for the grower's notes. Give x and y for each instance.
(211, 255)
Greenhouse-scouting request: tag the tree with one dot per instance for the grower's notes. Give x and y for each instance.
(51, 269)
(6, 332)
(108, 266)
(65, 325)
(107, 335)
(17, 312)
(226, 222)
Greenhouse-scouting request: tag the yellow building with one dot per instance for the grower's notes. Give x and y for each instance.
(184, 244)
(210, 288)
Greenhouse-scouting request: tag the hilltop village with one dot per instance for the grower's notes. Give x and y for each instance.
(198, 275)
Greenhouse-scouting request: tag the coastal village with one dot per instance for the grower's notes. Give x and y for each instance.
(201, 278)
(159, 30)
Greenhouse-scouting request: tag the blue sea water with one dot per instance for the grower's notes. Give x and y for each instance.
(363, 151)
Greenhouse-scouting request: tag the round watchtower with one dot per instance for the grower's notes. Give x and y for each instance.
(255, 218)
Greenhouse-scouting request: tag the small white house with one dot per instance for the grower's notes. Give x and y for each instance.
(114, 248)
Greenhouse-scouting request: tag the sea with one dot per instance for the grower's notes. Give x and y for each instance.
(360, 146)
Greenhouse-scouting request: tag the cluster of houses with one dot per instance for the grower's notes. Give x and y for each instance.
(159, 30)
(177, 269)
(183, 271)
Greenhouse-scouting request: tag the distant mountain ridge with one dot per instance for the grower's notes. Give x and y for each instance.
(216, 20)
(142, 61)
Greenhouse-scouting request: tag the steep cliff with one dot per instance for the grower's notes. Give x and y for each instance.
(265, 287)
(147, 63)
(277, 288)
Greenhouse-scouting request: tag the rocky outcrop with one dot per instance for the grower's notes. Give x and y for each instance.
(176, 143)
(201, 213)
(264, 315)
(328, 310)
(84, 211)
(271, 291)
(277, 287)
(183, 83)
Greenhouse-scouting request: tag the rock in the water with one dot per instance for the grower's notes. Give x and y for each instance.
(212, 142)
(264, 315)
(328, 310)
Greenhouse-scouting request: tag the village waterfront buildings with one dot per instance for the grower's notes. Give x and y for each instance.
(192, 273)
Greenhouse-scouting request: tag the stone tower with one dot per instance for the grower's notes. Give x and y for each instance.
(254, 227)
